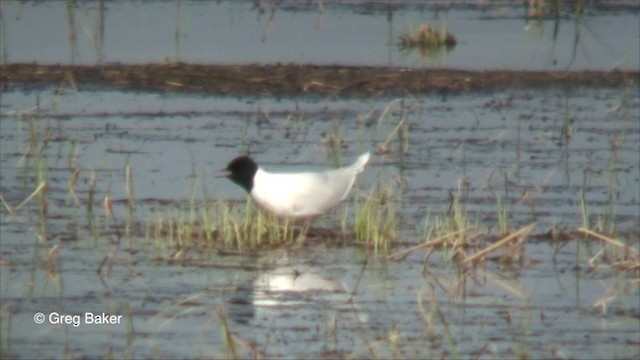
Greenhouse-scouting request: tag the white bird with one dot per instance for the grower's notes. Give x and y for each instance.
(298, 196)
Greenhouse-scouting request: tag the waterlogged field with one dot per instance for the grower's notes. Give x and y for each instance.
(489, 223)
(501, 225)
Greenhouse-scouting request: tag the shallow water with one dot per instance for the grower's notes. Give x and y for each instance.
(536, 151)
(505, 145)
(491, 35)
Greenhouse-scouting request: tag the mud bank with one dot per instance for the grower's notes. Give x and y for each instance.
(291, 79)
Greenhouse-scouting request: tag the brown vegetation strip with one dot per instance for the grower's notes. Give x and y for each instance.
(294, 80)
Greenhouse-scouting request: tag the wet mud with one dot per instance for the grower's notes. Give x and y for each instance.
(296, 80)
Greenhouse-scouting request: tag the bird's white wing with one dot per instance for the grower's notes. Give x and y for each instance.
(308, 194)
(331, 188)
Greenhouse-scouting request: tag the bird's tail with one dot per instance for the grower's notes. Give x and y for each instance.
(362, 161)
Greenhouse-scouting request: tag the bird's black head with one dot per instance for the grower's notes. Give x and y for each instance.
(241, 171)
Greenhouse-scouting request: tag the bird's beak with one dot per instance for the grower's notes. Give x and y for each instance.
(222, 173)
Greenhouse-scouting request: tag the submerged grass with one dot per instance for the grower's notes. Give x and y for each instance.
(428, 40)
(464, 240)
(221, 225)
(376, 222)
(232, 226)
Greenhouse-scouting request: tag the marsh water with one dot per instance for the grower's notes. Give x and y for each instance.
(565, 157)
(495, 35)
